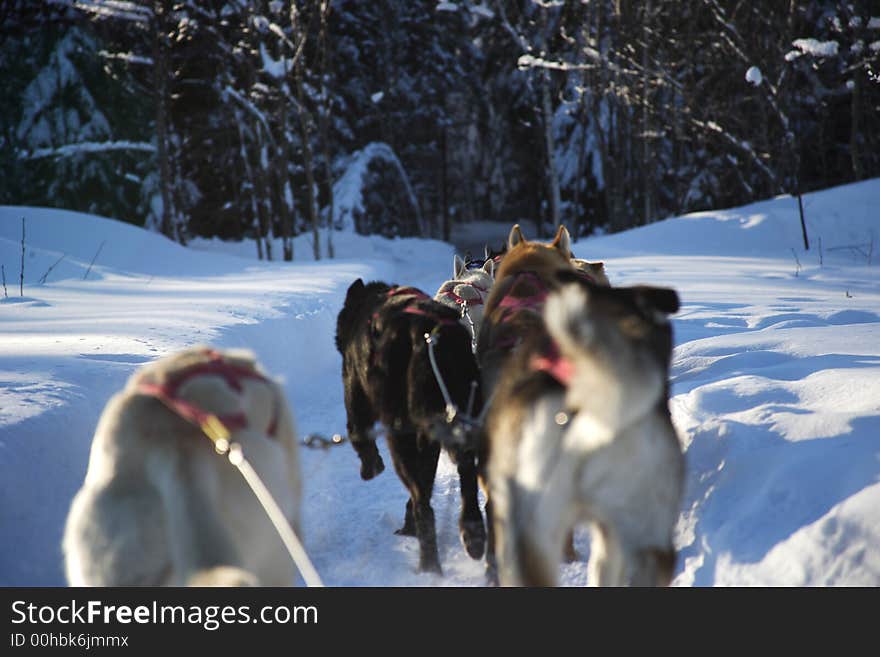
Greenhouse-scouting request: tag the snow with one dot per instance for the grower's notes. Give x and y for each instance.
(754, 76)
(775, 381)
(348, 190)
(275, 68)
(813, 47)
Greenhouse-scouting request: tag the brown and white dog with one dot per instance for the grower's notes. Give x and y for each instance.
(584, 435)
(528, 272)
(468, 289)
(159, 506)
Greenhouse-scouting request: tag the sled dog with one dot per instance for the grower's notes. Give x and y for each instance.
(585, 436)
(159, 506)
(387, 377)
(466, 292)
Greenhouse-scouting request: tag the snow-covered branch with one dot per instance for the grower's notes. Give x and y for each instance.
(127, 57)
(118, 9)
(743, 146)
(87, 147)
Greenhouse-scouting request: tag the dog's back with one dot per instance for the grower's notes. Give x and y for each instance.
(159, 506)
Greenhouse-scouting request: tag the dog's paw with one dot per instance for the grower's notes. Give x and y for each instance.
(371, 467)
(430, 566)
(473, 538)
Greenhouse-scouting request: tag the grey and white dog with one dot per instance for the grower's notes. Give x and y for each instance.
(597, 447)
(466, 292)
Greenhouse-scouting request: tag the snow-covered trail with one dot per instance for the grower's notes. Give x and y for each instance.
(776, 383)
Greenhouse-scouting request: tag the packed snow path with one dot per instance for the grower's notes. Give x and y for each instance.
(776, 382)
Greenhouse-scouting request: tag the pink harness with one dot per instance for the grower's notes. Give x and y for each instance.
(551, 361)
(555, 364)
(167, 392)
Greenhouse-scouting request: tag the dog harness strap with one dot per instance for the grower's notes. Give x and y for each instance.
(233, 375)
(509, 304)
(407, 290)
(207, 422)
(554, 364)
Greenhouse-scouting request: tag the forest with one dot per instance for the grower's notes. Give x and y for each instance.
(268, 119)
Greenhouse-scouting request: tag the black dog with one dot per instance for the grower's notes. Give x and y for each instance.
(387, 375)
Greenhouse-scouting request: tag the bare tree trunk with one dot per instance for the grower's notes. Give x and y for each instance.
(324, 122)
(160, 82)
(855, 127)
(308, 163)
(251, 184)
(305, 120)
(552, 172)
(647, 163)
(282, 185)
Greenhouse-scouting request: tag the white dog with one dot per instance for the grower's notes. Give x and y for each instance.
(468, 289)
(159, 506)
(593, 442)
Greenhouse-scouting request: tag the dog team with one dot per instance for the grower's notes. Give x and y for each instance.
(546, 386)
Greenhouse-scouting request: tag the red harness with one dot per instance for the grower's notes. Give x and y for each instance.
(167, 392)
(554, 363)
(413, 308)
(551, 360)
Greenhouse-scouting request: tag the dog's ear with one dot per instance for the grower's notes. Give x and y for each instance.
(355, 290)
(662, 299)
(598, 267)
(515, 237)
(562, 242)
(489, 267)
(458, 267)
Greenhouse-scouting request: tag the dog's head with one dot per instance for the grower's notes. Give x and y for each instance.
(546, 260)
(472, 270)
(360, 300)
(620, 343)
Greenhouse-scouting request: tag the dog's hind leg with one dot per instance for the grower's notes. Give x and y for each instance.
(471, 528)
(415, 461)
(652, 567)
(607, 566)
(360, 418)
(409, 523)
(116, 535)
